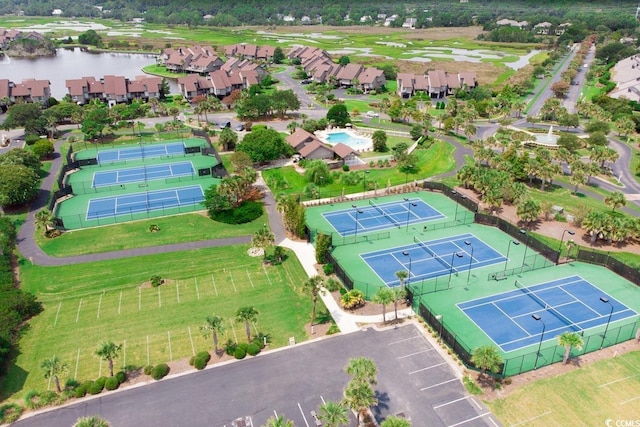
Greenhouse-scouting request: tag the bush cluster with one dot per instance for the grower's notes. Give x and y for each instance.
(246, 212)
(201, 359)
(96, 386)
(38, 399)
(10, 412)
(160, 371)
(156, 280)
(239, 353)
(112, 383)
(253, 349)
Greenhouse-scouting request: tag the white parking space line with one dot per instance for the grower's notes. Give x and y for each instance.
(302, 413)
(476, 403)
(439, 384)
(406, 339)
(321, 398)
(417, 352)
(449, 403)
(470, 419)
(425, 369)
(493, 422)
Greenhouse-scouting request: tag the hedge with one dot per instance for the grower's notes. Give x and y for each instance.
(201, 359)
(253, 349)
(239, 353)
(160, 371)
(112, 383)
(121, 376)
(95, 387)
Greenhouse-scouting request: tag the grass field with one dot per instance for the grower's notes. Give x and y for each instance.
(87, 303)
(590, 395)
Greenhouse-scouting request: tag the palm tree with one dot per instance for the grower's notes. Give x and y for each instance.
(594, 223)
(44, 220)
(486, 358)
(333, 414)
(359, 397)
(213, 325)
(384, 296)
(247, 314)
(53, 367)
(615, 200)
(263, 239)
(578, 177)
(92, 421)
(314, 286)
(362, 370)
(108, 350)
(278, 421)
(394, 421)
(568, 340)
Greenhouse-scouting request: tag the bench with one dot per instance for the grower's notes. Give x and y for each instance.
(315, 417)
(500, 276)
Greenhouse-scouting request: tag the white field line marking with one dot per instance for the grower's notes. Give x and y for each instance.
(99, 305)
(170, 352)
(75, 374)
(148, 362)
(99, 368)
(178, 290)
(139, 299)
(286, 270)
(124, 353)
(439, 384)
(78, 315)
(303, 417)
(630, 400)
(406, 339)
(531, 419)
(470, 419)
(55, 322)
(195, 279)
(266, 274)
(120, 303)
(215, 288)
(233, 283)
(159, 300)
(425, 369)
(254, 328)
(249, 276)
(234, 330)
(617, 381)
(449, 403)
(413, 354)
(193, 349)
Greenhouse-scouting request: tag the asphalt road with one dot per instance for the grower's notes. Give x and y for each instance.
(413, 378)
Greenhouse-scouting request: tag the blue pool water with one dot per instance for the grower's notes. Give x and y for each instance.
(343, 137)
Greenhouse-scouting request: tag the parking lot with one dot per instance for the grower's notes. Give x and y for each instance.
(413, 379)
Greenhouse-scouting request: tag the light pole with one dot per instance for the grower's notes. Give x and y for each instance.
(453, 255)
(571, 233)
(406, 253)
(526, 246)
(358, 211)
(606, 301)
(320, 187)
(544, 326)
(515, 242)
(468, 243)
(439, 319)
(409, 210)
(364, 182)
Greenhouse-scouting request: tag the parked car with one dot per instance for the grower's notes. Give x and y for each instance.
(240, 127)
(305, 82)
(371, 114)
(225, 125)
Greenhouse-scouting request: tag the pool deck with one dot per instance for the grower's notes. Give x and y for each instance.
(367, 146)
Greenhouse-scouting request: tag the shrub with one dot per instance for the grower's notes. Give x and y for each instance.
(31, 139)
(230, 347)
(10, 413)
(201, 359)
(148, 369)
(343, 291)
(160, 371)
(333, 329)
(204, 355)
(71, 384)
(352, 299)
(259, 343)
(121, 376)
(80, 391)
(156, 280)
(102, 380)
(253, 349)
(328, 269)
(372, 164)
(42, 148)
(112, 383)
(332, 285)
(243, 345)
(246, 212)
(345, 168)
(95, 388)
(131, 368)
(239, 353)
(192, 360)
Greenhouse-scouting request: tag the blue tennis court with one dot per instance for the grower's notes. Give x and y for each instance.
(567, 304)
(140, 152)
(142, 174)
(372, 217)
(144, 202)
(426, 260)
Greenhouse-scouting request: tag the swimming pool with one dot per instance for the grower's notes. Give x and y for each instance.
(346, 138)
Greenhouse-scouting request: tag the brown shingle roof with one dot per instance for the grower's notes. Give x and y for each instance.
(311, 147)
(343, 150)
(300, 137)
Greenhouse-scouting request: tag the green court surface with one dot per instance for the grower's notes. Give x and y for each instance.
(440, 295)
(73, 211)
(91, 152)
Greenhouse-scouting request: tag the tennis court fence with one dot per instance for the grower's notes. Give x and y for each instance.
(464, 218)
(550, 352)
(339, 240)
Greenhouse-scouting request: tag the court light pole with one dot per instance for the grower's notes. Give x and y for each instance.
(526, 246)
(364, 182)
(571, 233)
(468, 243)
(453, 255)
(409, 210)
(406, 253)
(455, 195)
(606, 301)
(515, 242)
(358, 211)
(537, 318)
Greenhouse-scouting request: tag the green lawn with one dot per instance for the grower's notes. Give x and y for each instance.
(87, 303)
(160, 70)
(585, 396)
(435, 160)
(173, 229)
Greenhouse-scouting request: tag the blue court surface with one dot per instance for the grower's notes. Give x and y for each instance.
(140, 152)
(141, 174)
(426, 260)
(373, 217)
(143, 202)
(567, 304)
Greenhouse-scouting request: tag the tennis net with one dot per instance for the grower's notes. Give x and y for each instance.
(384, 214)
(545, 306)
(437, 257)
